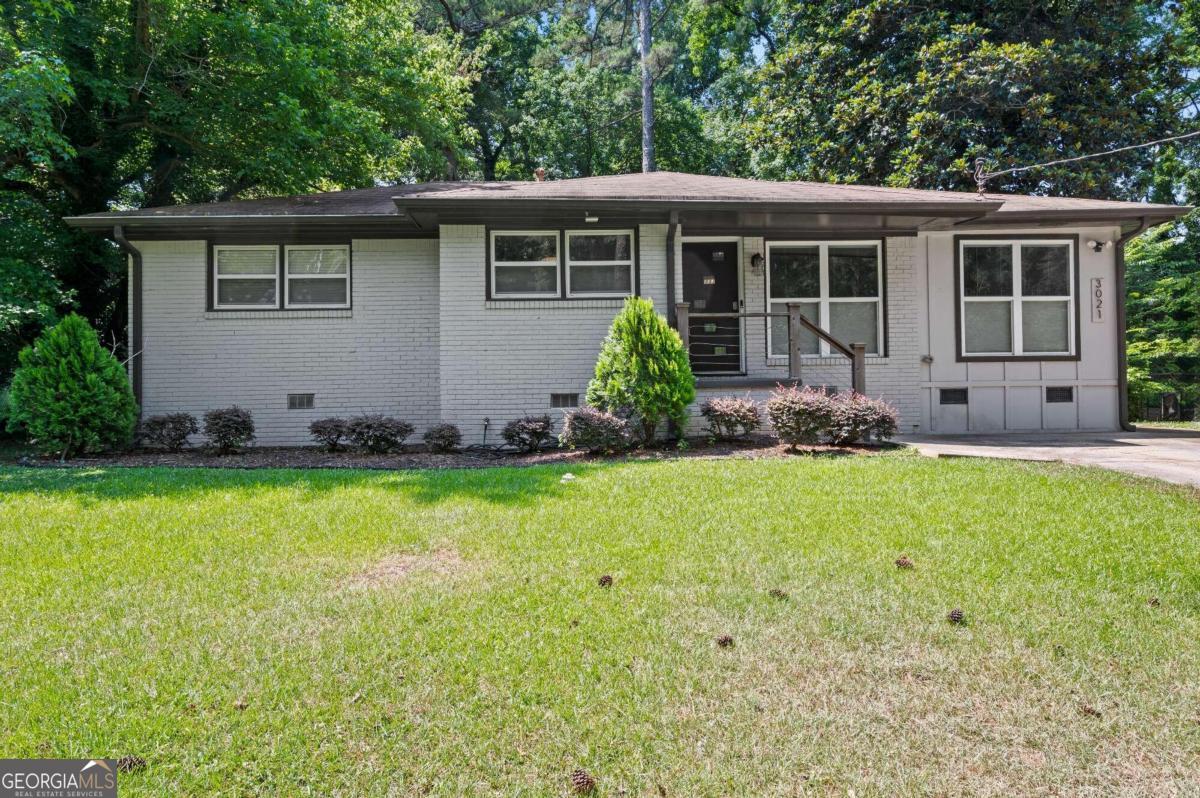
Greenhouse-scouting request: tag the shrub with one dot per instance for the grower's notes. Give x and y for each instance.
(528, 434)
(800, 415)
(443, 438)
(730, 417)
(857, 418)
(594, 431)
(70, 394)
(168, 431)
(229, 429)
(330, 432)
(643, 370)
(378, 433)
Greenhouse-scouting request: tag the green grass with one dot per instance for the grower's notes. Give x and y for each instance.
(208, 621)
(1189, 425)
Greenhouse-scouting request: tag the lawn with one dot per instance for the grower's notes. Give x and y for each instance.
(409, 633)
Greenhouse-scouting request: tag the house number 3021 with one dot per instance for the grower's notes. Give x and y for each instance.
(1099, 307)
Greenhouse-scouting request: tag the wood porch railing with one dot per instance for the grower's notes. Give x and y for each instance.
(856, 352)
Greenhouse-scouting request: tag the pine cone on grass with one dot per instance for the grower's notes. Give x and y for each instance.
(956, 615)
(776, 593)
(606, 581)
(582, 781)
(903, 562)
(130, 764)
(725, 641)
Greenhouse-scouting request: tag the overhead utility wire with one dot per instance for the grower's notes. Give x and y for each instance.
(982, 176)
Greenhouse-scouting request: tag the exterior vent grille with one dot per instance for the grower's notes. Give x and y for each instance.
(952, 396)
(558, 400)
(1060, 394)
(300, 401)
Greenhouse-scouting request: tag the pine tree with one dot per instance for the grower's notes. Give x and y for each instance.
(643, 369)
(70, 394)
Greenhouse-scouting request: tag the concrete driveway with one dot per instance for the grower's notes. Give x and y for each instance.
(1169, 455)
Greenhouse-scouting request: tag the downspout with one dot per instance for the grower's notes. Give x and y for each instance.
(1122, 356)
(135, 311)
(672, 223)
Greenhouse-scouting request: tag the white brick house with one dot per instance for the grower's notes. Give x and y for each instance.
(474, 303)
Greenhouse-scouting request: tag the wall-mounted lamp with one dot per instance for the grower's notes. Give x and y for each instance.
(1099, 246)
(589, 218)
(757, 261)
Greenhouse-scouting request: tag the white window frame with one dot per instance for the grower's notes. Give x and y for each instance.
(217, 277)
(824, 300)
(555, 234)
(1016, 298)
(287, 277)
(628, 263)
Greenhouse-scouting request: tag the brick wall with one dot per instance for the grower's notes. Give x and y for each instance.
(381, 356)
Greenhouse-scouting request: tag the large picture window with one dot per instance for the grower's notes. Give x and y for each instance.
(525, 264)
(317, 277)
(245, 277)
(839, 286)
(600, 263)
(1016, 298)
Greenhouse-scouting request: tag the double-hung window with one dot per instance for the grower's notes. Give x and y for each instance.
(1016, 298)
(525, 264)
(245, 277)
(839, 287)
(600, 263)
(317, 277)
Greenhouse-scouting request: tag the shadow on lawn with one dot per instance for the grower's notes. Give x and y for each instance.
(511, 486)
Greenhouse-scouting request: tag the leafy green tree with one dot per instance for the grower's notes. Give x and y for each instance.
(70, 394)
(157, 102)
(905, 93)
(643, 370)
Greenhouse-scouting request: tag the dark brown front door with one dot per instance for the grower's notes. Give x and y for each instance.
(710, 285)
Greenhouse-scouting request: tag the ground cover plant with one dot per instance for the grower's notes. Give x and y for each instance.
(446, 633)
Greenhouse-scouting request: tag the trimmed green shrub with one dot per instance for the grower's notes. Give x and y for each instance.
(330, 432)
(229, 429)
(860, 418)
(800, 416)
(443, 438)
(643, 370)
(730, 418)
(528, 434)
(378, 433)
(70, 394)
(168, 431)
(594, 431)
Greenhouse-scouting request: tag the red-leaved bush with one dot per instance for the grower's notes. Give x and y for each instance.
(807, 415)
(730, 417)
(860, 418)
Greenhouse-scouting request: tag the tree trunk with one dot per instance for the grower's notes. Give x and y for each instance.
(647, 88)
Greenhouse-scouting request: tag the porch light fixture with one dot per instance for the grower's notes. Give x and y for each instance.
(590, 218)
(1099, 246)
(757, 261)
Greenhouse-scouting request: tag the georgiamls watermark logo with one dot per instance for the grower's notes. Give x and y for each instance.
(58, 778)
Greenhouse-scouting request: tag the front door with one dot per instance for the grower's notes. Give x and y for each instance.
(710, 285)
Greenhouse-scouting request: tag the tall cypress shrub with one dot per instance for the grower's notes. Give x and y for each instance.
(70, 394)
(643, 370)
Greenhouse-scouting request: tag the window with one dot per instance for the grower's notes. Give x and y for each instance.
(839, 286)
(245, 277)
(600, 263)
(317, 277)
(300, 401)
(559, 400)
(525, 264)
(1017, 298)
(1060, 394)
(952, 396)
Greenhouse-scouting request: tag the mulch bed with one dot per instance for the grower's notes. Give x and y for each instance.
(313, 457)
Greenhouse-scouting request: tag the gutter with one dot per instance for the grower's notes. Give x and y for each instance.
(135, 311)
(672, 223)
(1122, 355)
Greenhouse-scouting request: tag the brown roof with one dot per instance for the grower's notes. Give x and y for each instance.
(661, 189)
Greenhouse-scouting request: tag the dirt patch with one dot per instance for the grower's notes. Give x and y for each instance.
(313, 457)
(397, 568)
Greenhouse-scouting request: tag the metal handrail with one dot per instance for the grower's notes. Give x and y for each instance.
(856, 352)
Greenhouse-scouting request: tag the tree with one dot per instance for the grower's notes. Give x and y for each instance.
(643, 370)
(70, 394)
(904, 93)
(156, 102)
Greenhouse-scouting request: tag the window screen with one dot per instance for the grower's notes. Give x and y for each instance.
(952, 396)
